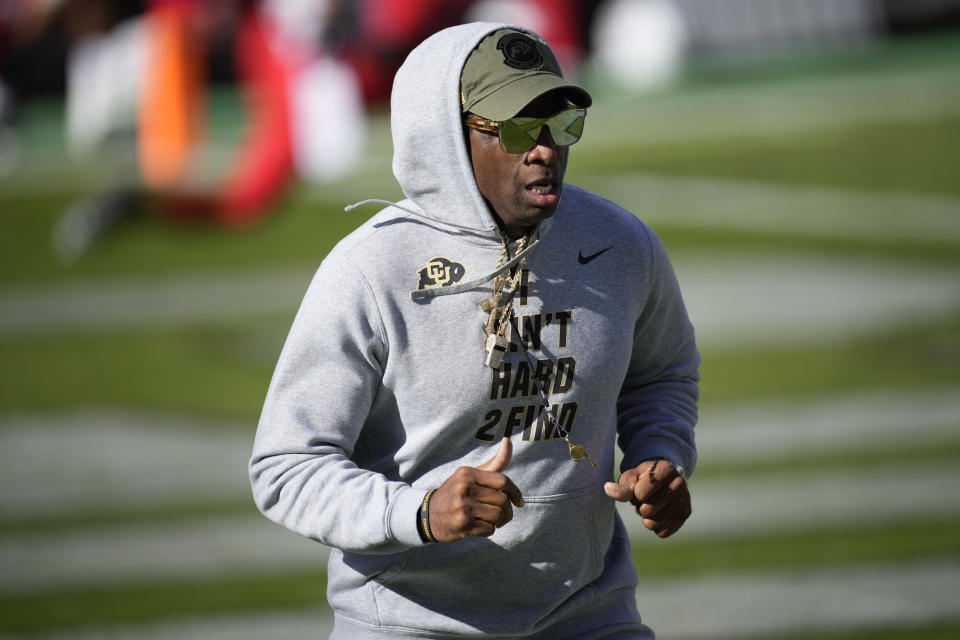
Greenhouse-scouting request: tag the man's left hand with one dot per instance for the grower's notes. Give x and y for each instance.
(658, 493)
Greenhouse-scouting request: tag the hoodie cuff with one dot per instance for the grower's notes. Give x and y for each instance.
(402, 519)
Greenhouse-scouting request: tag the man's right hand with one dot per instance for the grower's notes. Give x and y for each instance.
(475, 501)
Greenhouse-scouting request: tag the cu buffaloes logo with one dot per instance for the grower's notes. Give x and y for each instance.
(519, 51)
(440, 272)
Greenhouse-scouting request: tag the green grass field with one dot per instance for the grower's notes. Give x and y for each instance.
(851, 163)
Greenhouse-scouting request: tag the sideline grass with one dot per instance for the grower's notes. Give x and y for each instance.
(299, 232)
(221, 369)
(863, 456)
(911, 357)
(97, 606)
(681, 236)
(141, 514)
(897, 156)
(826, 546)
(224, 369)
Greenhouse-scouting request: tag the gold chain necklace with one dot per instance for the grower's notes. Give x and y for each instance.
(499, 307)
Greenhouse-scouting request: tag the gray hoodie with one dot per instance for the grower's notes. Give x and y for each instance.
(381, 392)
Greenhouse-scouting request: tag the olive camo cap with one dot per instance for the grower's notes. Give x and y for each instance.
(507, 71)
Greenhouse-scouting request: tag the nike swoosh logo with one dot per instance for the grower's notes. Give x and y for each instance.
(585, 259)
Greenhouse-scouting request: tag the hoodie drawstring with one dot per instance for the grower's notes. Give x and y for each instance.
(414, 212)
(434, 292)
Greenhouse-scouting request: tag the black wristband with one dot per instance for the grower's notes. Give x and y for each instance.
(423, 518)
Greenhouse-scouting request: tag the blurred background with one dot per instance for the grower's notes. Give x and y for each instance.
(171, 174)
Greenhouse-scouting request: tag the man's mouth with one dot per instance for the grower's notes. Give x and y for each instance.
(541, 187)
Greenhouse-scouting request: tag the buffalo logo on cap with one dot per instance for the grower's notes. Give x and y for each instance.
(519, 51)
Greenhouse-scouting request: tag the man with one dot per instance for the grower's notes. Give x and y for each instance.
(445, 410)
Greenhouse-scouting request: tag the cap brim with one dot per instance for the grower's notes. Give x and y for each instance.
(510, 99)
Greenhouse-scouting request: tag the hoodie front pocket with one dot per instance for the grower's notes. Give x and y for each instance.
(552, 548)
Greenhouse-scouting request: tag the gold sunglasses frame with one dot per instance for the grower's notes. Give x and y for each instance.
(493, 126)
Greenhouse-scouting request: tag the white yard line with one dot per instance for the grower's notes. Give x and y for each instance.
(798, 500)
(243, 544)
(151, 302)
(688, 608)
(868, 420)
(179, 550)
(751, 298)
(75, 463)
(102, 461)
(800, 602)
(783, 209)
(773, 109)
(760, 300)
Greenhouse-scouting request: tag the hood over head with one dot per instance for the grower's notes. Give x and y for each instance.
(430, 158)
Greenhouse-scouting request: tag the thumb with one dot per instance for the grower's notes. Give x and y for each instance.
(501, 459)
(618, 492)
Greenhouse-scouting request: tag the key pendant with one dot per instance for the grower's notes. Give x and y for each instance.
(496, 347)
(577, 452)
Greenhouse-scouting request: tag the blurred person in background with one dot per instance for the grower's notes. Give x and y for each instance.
(305, 115)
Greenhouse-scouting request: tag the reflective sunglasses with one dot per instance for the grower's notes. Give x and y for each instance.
(519, 135)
